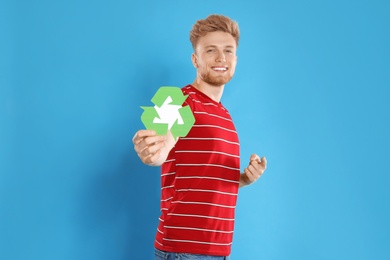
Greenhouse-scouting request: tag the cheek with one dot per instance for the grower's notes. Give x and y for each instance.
(204, 67)
(200, 63)
(234, 61)
(233, 68)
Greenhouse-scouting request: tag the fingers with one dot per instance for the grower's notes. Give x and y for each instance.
(150, 158)
(255, 157)
(148, 145)
(144, 138)
(146, 142)
(264, 162)
(153, 158)
(141, 134)
(250, 177)
(151, 149)
(255, 168)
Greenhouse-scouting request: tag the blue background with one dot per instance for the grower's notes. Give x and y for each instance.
(311, 92)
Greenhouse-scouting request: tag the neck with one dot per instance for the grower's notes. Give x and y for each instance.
(214, 92)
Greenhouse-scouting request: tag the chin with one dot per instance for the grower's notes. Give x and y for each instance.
(221, 82)
(217, 82)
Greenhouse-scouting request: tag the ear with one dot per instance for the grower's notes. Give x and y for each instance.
(194, 60)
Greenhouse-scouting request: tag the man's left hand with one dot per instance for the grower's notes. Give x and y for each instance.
(254, 170)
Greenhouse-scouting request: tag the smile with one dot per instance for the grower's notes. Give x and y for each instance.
(219, 68)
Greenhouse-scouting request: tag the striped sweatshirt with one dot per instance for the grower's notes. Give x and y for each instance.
(199, 183)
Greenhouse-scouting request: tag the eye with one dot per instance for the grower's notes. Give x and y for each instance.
(210, 51)
(229, 51)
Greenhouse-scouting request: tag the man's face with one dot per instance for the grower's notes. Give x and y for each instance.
(215, 58)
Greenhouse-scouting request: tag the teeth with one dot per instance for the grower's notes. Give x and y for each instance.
(219, 69)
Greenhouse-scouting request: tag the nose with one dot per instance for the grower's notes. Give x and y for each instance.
(221, 57)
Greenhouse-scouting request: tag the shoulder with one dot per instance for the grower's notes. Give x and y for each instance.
(192, 98)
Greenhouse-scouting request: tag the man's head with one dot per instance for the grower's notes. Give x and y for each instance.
(214, 23)
(215, 41)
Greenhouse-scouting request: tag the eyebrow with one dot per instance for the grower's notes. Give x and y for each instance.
(215, 46)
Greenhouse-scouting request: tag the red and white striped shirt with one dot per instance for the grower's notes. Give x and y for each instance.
(200, 180)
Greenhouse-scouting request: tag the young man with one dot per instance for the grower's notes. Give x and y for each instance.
(201, 172)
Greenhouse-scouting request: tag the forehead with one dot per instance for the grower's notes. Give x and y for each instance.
(216, 39)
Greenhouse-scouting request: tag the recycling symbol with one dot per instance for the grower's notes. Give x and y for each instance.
(168, 113)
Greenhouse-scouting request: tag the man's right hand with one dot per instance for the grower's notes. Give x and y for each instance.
(152, 149)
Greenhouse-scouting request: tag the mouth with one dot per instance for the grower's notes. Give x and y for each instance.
(219, 68)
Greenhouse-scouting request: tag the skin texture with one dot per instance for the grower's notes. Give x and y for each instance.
(215, 62)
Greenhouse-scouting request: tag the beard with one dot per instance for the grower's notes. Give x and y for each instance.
(215, 80)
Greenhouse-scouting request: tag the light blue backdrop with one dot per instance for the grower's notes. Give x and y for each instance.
(311, 92)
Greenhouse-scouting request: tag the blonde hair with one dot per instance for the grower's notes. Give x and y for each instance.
(214, 23)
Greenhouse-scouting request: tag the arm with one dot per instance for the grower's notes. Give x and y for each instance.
(254, 170)
(153, 149)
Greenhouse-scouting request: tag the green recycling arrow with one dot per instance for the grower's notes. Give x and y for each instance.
(168, 113)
